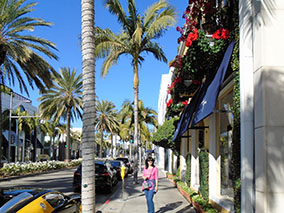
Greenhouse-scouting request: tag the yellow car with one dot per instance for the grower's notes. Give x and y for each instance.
(42, 201)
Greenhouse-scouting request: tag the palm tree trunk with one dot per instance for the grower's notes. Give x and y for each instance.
(88, 62)
(67, 150)
(111, 147)
(136, 85)
(101, 144)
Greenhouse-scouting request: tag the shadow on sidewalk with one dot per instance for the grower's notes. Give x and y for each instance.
(169, 207)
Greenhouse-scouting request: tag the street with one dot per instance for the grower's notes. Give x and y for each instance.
(57, 180)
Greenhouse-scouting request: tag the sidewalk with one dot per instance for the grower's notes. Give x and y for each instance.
(168, 199)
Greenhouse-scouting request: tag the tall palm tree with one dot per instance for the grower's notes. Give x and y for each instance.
(146, 116)
(89, 113)
(106, 120)
(136, 38)
(63, 100)
(20, 51)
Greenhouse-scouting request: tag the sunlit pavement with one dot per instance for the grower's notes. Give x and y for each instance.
(167, 199)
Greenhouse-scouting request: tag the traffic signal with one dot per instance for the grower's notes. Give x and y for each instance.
(131, 139)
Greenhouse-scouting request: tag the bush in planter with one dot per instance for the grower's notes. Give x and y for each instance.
(204, 173)
(186, 188)
(188, 169)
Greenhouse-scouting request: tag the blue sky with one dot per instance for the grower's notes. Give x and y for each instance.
(117, 86)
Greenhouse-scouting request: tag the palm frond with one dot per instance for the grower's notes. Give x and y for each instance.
(161, 22)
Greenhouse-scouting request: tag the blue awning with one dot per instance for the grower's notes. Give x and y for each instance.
(186, 116)
(208, 101)
(204, 100)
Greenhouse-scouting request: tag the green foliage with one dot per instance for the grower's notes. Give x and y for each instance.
(178, 171)
(164, 135)
(236, 144)
(188, 169)
(21, 52)
(237, 195)
(204, 174)
(13, 169)
(186, 188)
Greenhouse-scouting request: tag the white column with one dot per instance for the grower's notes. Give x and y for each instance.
(161, 160)
(194, 161)
(214, 159)
(183, 153)
(170, 160)
(246, 105)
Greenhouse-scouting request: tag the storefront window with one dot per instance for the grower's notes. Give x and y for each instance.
(225, 141)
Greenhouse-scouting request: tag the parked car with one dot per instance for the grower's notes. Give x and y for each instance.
(40, 200)
(117, 164)
(127, 163)
(105, 177)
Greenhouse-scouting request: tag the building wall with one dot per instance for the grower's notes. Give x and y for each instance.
(268, 102)
(163, 97)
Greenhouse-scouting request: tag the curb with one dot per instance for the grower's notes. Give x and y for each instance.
(32, 174)
(117, 194)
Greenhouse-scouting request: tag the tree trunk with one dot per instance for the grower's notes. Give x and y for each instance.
(67, 150)
(88, 62)
(111, 147)
(136, 85)
(101, 144)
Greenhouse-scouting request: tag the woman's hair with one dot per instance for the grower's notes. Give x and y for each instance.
(149, 159)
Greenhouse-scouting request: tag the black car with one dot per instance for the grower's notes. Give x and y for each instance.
(127, 163)
(117, 164)
(105, 177)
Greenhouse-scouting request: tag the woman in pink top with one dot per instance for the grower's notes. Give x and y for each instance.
(150, 173)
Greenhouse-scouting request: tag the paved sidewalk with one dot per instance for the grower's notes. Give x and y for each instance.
(168, 199)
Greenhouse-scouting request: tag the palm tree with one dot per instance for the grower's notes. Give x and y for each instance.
(146, 117)
(136, 38)
(19, 50)
(106, 119)
(88, 62)
(63, 100)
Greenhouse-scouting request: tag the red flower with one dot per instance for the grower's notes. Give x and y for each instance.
(169, 102)
(221, 34)
(188, 43)
(184, 102)
(191, 37)
(178, 80)
(225, 34)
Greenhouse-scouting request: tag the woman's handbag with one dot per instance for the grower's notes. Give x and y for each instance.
(146, 185)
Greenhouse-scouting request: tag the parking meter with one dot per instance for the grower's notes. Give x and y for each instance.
(122, 173)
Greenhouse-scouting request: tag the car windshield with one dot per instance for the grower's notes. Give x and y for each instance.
(15, 201)
(125, 160)
(115, 163)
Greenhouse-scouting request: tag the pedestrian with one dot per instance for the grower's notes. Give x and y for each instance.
(150, 174)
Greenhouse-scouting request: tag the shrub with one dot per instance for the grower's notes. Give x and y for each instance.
(12, 169)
